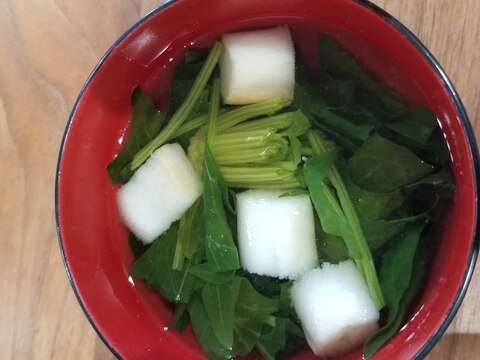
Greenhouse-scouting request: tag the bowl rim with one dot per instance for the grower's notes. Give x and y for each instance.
(426, 54)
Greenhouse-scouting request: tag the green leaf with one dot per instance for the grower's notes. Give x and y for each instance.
(155, 267)
(205, 273)
(324, 199)
(380, 98)
(204, 331)
(221, 251)
(330, 248)
(145, 123)
(373, 205)
(272, 341)
(379, 232)
(183, 79)
(417, 124)
(191, 230)
(252, 312)
(346, 222)
(180, 319)
(308, 101)
(381, 165)
(220, 303)
(401, 275)
(337, 92)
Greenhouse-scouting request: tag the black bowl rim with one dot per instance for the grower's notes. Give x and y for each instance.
(422, 49)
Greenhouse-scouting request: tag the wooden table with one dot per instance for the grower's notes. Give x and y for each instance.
(47, 49)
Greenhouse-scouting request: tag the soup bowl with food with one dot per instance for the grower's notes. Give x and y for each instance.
(268, 179)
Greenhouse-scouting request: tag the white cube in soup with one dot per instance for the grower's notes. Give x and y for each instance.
(276, 235)
(335, 309)
(257, 66)
(159, 193)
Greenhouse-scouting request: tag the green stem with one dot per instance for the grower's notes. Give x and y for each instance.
(213, 114)
(184, 110)
(275, 122)
(269, 153)
(365, 260)
(190, 126)
(249, 112)
(275, 176)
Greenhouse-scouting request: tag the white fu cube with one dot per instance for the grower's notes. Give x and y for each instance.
(276, 235)
(159, 193)
(257, 65)
(335, 308)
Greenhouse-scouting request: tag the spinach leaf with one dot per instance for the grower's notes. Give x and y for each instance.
(204, 331)
(380, 165)
(344, 212)
(252, 312)
(222, 254)
(369, 204)
(329, 211)
(219, 301)
(331, 248)
(183, 78)
(401, 279)
(272, 341)
(379, 232)
(145, 123)
(191, 230)
(155, 267)
(380, 98)
(180, 317)
(307, 100)
(205, 273)
(416, 124)
(337, 92)
(375, 205)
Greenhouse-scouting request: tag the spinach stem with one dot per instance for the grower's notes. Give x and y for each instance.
(248, 112)
(184, 277)
(179, 117)
(357, 243)
(213, 114)
(275, 122)
(270, 176)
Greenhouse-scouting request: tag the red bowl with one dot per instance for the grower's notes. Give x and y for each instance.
(130, 318)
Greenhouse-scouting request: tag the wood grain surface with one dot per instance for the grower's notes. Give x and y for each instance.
(47, 49)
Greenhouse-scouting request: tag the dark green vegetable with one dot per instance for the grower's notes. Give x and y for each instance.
(204, 333)
(252, 312)
(272, 341)
(219, 303)
(375, 95)
(155, 267)
(382, 165)
(417, 125)
(221, 251)
(145, 122)
(376, 172)
(191, 229)
(401, 276)
(205, 273)
(337, 213)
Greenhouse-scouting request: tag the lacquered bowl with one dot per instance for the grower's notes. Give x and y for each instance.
(128, 317)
